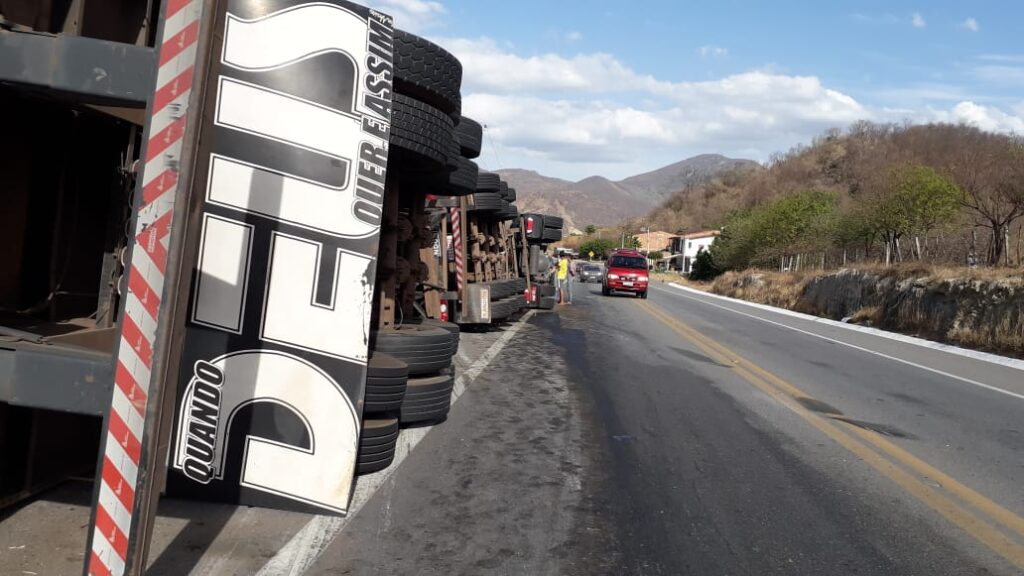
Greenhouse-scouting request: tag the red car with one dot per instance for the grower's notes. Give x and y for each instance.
(627, 272)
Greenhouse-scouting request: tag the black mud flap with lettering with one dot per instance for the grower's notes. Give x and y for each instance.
(291, 164)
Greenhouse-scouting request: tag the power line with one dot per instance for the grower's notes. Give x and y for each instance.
(494, 149)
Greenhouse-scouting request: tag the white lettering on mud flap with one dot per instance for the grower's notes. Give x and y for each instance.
(293, 157)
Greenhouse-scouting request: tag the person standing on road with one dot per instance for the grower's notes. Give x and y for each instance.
(565, 274)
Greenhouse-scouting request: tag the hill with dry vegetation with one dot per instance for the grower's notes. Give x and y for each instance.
(596, 200)
(875, 192)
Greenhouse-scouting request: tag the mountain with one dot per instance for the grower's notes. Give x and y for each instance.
(661, 183)
(600, 201)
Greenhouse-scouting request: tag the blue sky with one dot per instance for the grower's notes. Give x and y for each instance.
(575, 88)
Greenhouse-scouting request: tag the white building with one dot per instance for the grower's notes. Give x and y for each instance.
(686, 247)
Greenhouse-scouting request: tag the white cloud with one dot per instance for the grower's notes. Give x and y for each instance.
(984, 117)
(489, 68)
(917, 21)
(712, 51)
(971, 24)
(569, 114)
(410, 15)
(574, 36)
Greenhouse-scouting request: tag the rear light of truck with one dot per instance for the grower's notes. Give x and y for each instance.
(444, 312)
(529, 225)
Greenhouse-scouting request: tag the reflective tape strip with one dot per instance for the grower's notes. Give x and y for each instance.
(460, 257)
(117, 503)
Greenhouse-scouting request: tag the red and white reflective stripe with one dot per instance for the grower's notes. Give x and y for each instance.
(132, 379)
(460, 256)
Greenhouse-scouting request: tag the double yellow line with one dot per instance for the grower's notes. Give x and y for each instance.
(992, 525)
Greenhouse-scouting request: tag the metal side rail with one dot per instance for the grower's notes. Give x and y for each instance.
(61, 377)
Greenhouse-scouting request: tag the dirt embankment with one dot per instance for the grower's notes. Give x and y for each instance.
(982, 309)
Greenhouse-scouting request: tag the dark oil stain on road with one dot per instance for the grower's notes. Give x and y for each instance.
(883, 429)
(818, 406)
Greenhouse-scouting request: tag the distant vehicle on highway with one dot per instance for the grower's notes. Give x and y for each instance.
(591, 273)
(627, 272)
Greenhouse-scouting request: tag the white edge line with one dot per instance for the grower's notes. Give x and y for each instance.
(911, 340)
(975, 354)
(306, 546)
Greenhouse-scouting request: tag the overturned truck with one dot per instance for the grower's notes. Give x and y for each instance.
(220, 278)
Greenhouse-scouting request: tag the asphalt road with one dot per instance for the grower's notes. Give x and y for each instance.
(689, 435)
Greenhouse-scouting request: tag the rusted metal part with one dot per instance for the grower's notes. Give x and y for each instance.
(431, 298)
(388, 254)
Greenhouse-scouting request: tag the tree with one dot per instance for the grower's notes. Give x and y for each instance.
(990, 172)
(632, 242)
(797, 223)
(654, 258)
(734, 249)
(854, 228)
(703, 267)
(590, 230)
(914, 201)
(776, 231)
(599, 246)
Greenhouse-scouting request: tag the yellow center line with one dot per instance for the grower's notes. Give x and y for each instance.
(959, 513)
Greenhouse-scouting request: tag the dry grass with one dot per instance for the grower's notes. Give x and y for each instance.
(924, 271)
(668, 277)
(868, 315)
(781, 289)
(1005, 336)
(981, 308)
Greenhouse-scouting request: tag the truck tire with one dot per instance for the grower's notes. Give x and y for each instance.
(427, 72)
(377, 444)
(488, 182)
(462, 181)
(511, 213)
(554, 221)
(552, 234)
(425, 349)
(506, 307)
(470, 135)
(368, 465)
(486, 201)
(499, 311)
(426, 390)
(386, 378)
(379, 431)
(451, 327)
(516, 303)
(429, 398)
(421, 130)
(501, 289)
